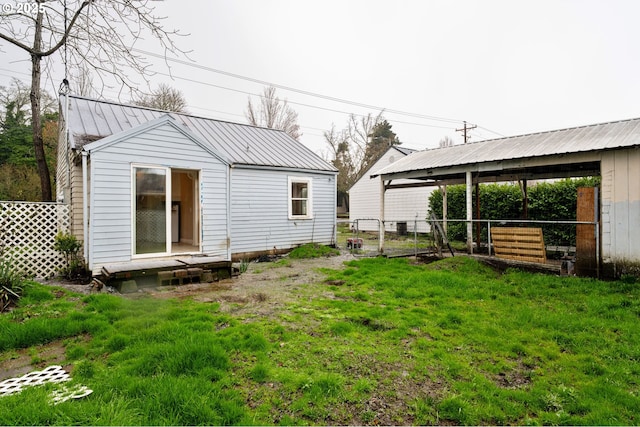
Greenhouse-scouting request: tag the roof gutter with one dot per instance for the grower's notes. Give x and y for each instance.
(282, 169)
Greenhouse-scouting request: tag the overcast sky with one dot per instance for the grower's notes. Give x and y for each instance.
(509, 67)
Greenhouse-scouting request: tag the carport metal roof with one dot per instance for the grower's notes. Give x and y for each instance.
(560, 153)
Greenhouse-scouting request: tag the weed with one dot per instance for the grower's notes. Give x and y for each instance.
(244, 266)
(312, 250)
(10, 283)
(259, 373)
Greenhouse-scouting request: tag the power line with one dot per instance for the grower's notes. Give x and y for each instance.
(491, 131)
(291, 89)
(293, 102)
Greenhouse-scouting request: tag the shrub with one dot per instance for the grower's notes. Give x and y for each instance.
(10, 283)
(547, 201)
(69, 245)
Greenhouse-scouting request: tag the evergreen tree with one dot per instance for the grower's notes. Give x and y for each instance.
(16, 146)
(381, 138)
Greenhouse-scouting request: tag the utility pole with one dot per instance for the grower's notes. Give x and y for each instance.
(469, 181)
(464, 131)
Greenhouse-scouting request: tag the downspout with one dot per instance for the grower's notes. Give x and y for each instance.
(66, 141)
(85, 209)
(228, 212)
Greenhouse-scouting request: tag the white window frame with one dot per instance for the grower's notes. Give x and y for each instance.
(167, 171)
(309, 198)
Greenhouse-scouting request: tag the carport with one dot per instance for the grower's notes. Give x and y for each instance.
(609, 150)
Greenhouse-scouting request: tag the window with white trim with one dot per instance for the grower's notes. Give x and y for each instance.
(300, 198)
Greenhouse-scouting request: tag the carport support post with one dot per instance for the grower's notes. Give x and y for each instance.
(469, 213)
(381, 223)
(444, 208)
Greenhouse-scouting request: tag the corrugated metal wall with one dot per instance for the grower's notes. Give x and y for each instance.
(621, 207)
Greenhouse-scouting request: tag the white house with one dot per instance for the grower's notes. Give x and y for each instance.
(146, 185)
(408, 205)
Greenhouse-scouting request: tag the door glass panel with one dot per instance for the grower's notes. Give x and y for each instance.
(150, 210)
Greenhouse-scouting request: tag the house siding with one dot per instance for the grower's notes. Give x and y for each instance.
(620, 208)
(260, 216)
(76, 197)
(111, 189)
(403, 204)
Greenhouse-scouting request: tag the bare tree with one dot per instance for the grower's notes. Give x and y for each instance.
(165, 98)
(274, 113)
(359, 132)
(350, 150)
(82, 82)
(101, 34)
(18, 94)
(339, 145)
(446, 141)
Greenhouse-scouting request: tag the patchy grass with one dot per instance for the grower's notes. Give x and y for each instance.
(312, 250)
(379, 342)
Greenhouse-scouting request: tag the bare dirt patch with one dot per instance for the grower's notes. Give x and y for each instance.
(262, 289)
(17, 363)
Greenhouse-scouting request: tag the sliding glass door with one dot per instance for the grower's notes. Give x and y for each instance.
(152, 190)
(166, 214)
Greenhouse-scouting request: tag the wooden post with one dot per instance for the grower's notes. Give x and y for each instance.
(525, 200)
(381, 224)
(444, 207)
(586, 261)
(469, 213)
(478, 225)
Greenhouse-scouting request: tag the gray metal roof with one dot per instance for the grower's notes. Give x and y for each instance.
(597, 137)
(90, 120)
(404, 150)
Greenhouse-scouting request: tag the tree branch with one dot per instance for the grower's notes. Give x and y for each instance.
(66, 31)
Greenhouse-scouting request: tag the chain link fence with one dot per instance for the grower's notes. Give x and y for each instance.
(400, 237)
(550, 242)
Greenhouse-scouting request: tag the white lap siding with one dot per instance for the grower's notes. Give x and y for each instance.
(111, 191)
(260, 216)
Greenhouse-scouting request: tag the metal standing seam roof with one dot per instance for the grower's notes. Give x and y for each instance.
(602, 136)
(90, 120)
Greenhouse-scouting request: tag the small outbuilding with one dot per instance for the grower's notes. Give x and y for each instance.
(405, 209)
(609, 150)
(149, 186)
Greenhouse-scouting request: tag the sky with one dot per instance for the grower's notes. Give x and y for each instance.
(508, 67)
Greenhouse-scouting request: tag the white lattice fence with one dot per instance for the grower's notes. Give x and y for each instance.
(27, 233)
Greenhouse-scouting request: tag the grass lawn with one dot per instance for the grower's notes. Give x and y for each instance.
(383, 341)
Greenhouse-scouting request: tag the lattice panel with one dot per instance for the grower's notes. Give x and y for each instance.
(51, 374)
(27, 233)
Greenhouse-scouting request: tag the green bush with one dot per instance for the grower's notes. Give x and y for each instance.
(70, 246)
(547, 201)
(11, 281)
